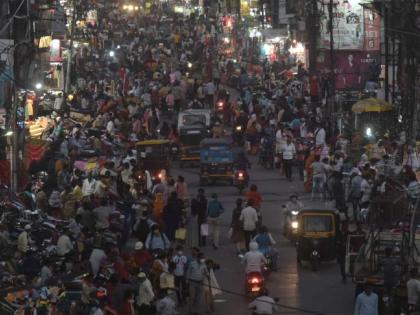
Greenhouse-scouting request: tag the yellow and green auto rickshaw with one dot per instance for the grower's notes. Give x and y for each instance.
(154, 156)
(317, 231)
(190, 139)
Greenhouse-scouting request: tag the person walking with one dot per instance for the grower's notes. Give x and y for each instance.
(197, 272)
(236, 233)
(214, 211)
(199, 214)
(318, 174)
(145, 296)
(289, 154)
(180, 261)
(172, 215)
(355, 192)
(413, 290)
(366, 302)
(341, 255)
(249, 219)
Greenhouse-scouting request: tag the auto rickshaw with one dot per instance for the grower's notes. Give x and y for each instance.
(216, 161)
(190, 139)
(316, 235)
(154, 156)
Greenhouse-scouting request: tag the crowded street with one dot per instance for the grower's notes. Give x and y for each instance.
(300, 289)
(209, 157)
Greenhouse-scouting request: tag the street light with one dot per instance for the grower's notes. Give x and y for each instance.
(111, 53)
(38, 86)
(8, 133)
(130, 7)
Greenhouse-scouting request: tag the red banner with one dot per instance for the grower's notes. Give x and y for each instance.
(351, 67)
(35, 150)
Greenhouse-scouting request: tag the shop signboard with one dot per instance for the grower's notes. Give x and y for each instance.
(372, 26)
(55, 51)
(347, 24)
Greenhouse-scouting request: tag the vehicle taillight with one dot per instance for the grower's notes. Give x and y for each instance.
(220, 105)
(255, 280)
(241, 175)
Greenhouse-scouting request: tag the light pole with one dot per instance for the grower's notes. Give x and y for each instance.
(70, 54)
(332, 62)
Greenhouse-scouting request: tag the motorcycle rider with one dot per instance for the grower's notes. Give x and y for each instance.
(292, 207)
(242, 162)
(294, 204)
(264, 304)
(266, 245)
(254, 259)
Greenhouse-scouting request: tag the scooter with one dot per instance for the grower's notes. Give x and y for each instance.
(241, 180)
(254, 284)
(219, 110)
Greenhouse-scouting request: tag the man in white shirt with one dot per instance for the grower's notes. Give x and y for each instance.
(64, 245)
(146, 295)
(211, 89)
(23, 240)
(280, 141)
(88, 187)
(249, 217)
(413, 290)
(289, 153)
(264, 305)
(320, 136)
(110, 127)
(254, 259)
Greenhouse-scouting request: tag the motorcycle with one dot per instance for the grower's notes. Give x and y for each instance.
(315, 256)
(254, 284)
(238, 135)
(268, 267)
(290, 226)
(241, 180)
(266, 158)
(219, 110)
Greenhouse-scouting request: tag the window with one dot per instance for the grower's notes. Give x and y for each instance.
(317, 223)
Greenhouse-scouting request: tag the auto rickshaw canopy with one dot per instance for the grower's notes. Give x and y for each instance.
(372, 105)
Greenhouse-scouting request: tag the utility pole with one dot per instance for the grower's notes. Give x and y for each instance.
(70, 54)
(332, 61)
(386, 48)
(313, 37)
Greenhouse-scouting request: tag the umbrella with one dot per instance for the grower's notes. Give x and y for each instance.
(372, 105)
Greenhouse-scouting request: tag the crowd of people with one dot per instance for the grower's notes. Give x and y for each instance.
(133, 241)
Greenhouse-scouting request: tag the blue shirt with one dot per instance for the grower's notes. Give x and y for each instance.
(366, 304)
(214, 208)
(157, 241)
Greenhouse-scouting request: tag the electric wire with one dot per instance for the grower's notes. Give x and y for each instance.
(11, 18)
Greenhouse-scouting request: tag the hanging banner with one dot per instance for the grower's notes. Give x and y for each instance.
(352, 68)
(347, 25)
(55, 51)
(372, 25)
